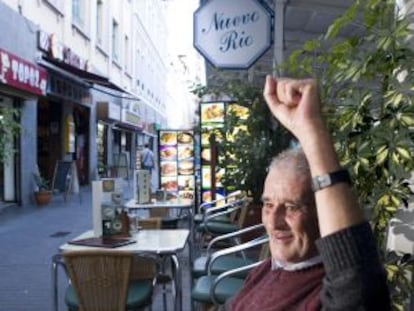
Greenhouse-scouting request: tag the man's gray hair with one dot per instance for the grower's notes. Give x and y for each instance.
(294, 157)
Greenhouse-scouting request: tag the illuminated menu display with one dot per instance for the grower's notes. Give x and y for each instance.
(176, 162)
(213, 124)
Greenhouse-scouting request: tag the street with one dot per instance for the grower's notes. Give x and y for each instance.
(31, 235)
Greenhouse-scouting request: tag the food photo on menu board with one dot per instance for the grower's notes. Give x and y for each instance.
(212, 112)
(168, 138)
(239, 111)
(186, 183)
(188, 195)
(206, 175)
(168, 153)
(186, 167)
(168, 168)
(205, 155)
(185, 152)
(185, 137)
(207, 196)
(169, 183)
(219, 176)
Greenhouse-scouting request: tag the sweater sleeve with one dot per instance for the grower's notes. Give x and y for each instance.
(355, 278)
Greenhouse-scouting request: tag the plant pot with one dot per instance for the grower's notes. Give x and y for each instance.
(43, 197)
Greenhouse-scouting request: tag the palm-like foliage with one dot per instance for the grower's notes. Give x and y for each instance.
(367, 85)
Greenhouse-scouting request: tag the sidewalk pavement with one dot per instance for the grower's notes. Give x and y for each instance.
(31, 235)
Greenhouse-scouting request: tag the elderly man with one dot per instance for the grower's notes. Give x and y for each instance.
(324, 256)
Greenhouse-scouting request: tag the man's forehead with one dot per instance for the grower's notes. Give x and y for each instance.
(282, 172)
(285, 182)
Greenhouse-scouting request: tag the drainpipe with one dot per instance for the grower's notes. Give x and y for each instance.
(279, 33)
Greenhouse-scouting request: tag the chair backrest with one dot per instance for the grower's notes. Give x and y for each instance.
(231, 197)
(159, 212)
(235, 195)
(243, 211)
(100, 278)
(150, 223)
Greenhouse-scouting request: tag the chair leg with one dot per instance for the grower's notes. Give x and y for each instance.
(164, 297)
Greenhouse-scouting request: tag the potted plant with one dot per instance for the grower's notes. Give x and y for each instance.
(42, 193)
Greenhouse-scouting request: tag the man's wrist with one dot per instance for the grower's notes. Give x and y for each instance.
(326, 180)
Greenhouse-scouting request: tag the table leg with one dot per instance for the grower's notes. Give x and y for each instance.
(56, 261)
(191, 248)
(178, 288)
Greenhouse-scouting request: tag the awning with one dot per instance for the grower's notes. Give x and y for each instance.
(120, 126)
(86, 76)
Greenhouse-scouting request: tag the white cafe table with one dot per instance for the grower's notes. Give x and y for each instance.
(177, 204)
(163, 242)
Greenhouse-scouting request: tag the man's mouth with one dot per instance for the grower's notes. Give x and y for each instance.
(282, 236)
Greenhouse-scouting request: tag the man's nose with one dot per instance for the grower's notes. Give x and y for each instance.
(279, 215)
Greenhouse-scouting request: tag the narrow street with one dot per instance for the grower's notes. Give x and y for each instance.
(31, 235)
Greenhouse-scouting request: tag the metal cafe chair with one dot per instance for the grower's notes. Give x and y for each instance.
(214, 289)
(209, 227)
(231, 261)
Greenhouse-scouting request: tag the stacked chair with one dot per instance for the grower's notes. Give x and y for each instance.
(219, 274)
(202, 209)
(214, 221)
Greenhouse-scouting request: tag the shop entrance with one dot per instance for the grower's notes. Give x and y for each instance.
(8, 166)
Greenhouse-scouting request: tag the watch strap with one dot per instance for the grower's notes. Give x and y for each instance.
(329, 179)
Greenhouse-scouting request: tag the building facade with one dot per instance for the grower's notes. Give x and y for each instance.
(107, 74)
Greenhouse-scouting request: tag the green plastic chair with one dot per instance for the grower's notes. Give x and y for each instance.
(216, 206)
(222, 263)
(236, 211)
(217, 289)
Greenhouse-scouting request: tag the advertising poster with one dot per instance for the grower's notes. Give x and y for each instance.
(107, 207)
(176, 162)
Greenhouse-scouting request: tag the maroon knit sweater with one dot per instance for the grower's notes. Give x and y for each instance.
(279, 290)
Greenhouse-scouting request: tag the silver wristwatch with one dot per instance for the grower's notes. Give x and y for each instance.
(329, 179)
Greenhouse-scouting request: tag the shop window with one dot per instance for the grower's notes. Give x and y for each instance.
(78, 13)
(127, 60)
(99, 21)
(115, 40)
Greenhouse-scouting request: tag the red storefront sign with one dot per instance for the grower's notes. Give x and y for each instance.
(21, 74)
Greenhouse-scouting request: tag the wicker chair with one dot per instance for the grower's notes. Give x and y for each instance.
(150, 223)
(100, 281)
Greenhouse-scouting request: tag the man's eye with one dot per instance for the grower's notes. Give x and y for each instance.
(267, 205)
(292, 207)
